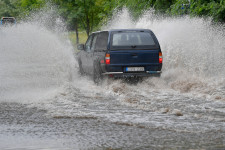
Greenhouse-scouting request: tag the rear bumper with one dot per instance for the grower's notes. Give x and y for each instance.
(122, 67)
(134, 74)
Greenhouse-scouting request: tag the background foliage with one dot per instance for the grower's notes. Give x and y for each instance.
(88, 15)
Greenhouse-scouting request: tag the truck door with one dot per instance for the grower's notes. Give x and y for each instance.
(90, 54)
(84, 55)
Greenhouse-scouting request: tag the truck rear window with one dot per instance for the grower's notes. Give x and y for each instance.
(132, 38)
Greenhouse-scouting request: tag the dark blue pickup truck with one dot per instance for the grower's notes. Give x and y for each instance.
(120, 53)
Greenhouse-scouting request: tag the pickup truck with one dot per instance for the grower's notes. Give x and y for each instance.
(120, 53)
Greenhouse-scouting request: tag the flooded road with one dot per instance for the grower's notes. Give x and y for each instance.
(46, 104)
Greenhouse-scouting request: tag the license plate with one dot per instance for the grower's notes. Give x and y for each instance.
(134, 69)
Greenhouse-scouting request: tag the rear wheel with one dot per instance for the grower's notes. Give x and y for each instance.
(97, 75)
(81, 71)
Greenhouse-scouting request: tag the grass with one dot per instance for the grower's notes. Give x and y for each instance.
(82, 38)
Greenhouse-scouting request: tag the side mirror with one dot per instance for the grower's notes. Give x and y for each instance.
(80, 46)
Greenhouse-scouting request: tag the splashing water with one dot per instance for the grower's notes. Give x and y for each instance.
(190, 67)
(193, 49)
(190, 44)
(34, 61)
(37, 64)
(37, 58)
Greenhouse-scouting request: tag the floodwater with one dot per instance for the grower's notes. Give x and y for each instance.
(46, 104)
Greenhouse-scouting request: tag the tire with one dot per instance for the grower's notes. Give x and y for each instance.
(81, 71)
(157, 75)
(97, 75)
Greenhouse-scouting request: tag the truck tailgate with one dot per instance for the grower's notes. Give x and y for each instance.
(134, 57)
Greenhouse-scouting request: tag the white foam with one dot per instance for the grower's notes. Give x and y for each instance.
(34, 62)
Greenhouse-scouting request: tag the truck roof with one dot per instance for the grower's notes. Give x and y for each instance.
(117, 30)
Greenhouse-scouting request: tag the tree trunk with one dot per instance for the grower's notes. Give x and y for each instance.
(87, 19)
(88, 24)
(77, 33)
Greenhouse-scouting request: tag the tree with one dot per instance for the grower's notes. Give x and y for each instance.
(215, 9)
(28, 6)
(70, 12)
(83, 14)
(8, 8)
(91, 14)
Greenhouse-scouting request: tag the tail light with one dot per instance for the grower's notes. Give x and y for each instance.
(107, 59)
(160, 57)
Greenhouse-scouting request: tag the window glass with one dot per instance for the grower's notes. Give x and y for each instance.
(88, 44)
(102, 41)
(132, 39)
(94, 42)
